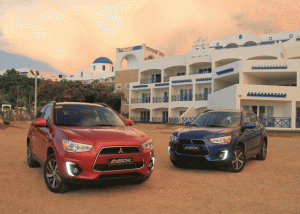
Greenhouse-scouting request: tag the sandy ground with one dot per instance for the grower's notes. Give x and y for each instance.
(270, 186)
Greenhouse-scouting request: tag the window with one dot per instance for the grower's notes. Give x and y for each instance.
(47, 114)
(145, 97)
(181, 113)
(112, 69)
(246, 107)
(103, 67)
(81, 73)
(126, 103)
(247, 119)
(94, 67)
(207, 90)
(180, 74)
(127, 85)
(253, 119)
(118, 86)
(41, 113)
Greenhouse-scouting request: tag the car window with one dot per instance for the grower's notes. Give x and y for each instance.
(85, 115)
(218, 119)
(47, 114)
(253, 118)
(247, 118)
(41, 113)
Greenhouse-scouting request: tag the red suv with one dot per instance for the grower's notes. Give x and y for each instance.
(79, 142)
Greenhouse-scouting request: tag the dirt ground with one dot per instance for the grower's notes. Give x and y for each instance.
(270, 186)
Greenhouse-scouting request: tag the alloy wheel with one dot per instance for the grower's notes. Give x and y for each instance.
(53, 178)
(238, 160)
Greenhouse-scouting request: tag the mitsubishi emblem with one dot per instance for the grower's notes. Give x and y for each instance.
(121, 151)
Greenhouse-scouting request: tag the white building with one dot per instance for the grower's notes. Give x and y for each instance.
(101, 70)
(243, 71)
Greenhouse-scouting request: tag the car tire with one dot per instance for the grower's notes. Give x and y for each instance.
(30, 161)
(53, 180)
(237, 161)
(263, 152)
(178, 164)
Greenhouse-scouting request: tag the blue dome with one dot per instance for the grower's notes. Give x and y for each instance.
(138, 47)
(103, 60)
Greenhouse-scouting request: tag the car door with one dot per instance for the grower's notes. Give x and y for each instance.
(248, 134)
(257, 131)
(35, 134)
(44, 135)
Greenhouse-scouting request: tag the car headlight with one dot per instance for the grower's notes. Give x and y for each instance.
(221, 140)
(173, 137)
(70, 146)
(148, 144)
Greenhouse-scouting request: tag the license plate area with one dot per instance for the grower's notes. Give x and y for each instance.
(191, 147)
(120, 160)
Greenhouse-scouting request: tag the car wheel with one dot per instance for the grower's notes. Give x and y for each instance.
(263, 152)
(30, 161)
(237, 162)
(52, 178)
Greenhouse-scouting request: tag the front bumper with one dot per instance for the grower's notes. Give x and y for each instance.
(89, 161)
(208, 153)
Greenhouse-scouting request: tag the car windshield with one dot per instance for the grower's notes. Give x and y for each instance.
(218, 119)
(85, 115)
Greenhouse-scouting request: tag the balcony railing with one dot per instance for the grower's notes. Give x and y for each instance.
(201, 96)
(173, 120)
(187, 119)
(160, 99)
(140, 119)
(298, 122)
(140, 100)
(204, 72)
(282, 122)
(188, 97)
(150, 80)
(160, 119)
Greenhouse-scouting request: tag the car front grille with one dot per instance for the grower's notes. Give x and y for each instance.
(120, 150)
(105, 167)
(185, 142)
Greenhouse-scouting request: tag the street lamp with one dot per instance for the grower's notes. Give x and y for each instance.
(35, 100)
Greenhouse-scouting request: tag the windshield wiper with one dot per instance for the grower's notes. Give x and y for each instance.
(214, 126)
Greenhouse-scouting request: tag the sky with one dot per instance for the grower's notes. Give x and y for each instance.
(68, 35)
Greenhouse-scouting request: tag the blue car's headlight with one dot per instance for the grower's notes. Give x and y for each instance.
(173, 137)
(221, 140)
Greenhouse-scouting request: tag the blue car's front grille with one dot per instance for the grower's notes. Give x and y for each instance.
(192, 147)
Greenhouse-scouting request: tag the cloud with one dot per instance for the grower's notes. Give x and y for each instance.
(260, 27)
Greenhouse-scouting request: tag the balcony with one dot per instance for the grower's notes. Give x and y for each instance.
(298, 122)
(173, 120)
(160, 99)
(187, 97)
(140, 119)
(150, 80)
(160, 119)
(187, 119)
(282, 122)
(201, 96)
(140, 100)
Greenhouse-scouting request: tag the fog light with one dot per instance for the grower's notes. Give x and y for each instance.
(169, 150)
(151, 163)
(223, 154)
(73, 169)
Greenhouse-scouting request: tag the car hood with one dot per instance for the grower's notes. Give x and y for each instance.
(93, 135)
(203, 132)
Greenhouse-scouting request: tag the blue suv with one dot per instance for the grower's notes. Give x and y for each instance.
(226, 137)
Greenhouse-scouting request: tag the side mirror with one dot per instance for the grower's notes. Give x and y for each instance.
(40, 122)
(128, 122)
(249, 125)
(187, 124)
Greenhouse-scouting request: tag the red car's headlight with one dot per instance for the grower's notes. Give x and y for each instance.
(73, 147)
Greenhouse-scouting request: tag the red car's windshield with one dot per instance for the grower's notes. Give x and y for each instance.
(85, 115)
